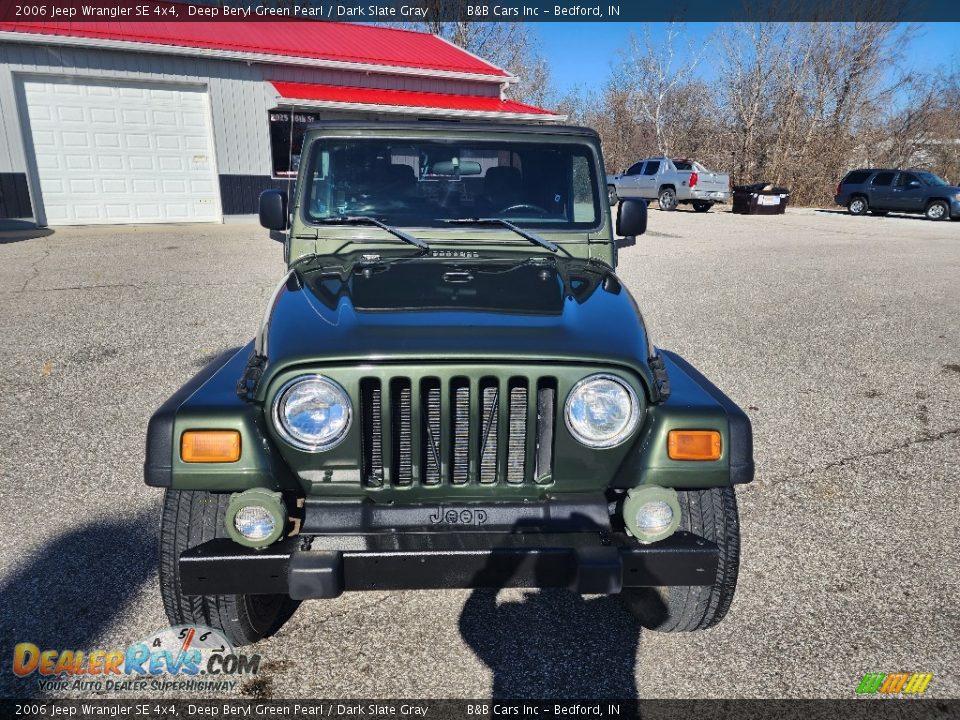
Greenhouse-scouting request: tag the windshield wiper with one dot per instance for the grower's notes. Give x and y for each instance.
(365, 220)
(525, 234)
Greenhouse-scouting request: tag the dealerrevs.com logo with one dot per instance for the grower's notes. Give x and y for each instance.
(184, 657)
(894, 683)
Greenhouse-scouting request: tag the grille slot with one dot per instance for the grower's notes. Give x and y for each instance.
(432, 463)
(460, 461)
(546, 413)
(489, 414)
(517, 433)
(402, 431)
(422, 430)
(371, 418)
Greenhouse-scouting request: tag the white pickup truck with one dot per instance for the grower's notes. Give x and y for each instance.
(670, 182)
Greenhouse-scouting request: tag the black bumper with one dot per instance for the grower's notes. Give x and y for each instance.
(324, 566)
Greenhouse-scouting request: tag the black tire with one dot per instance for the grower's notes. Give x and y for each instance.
(702, 206)
(190, 518)
(612, 196)
(858, 205)
(937, 210)
(667, 199)
(711, 514)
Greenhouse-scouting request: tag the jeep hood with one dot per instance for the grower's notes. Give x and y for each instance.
(540, 310)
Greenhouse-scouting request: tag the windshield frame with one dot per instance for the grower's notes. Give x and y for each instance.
(438, 227)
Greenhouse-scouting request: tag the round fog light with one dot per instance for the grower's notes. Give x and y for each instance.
(651, 513)
(256, 517)
(254, 522)
(653, 517)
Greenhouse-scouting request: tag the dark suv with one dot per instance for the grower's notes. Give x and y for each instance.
(910, 191)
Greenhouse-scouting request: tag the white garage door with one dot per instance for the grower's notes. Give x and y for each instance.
(122, 154)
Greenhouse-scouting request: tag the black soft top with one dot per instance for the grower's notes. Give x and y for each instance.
(453, 125)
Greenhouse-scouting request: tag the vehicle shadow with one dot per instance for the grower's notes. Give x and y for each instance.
(552, 643)
(892, 215)
(69, 593)
(12, 231)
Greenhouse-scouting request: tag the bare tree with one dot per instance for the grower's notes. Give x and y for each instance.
(652, 72)
(942, 147)
(800, 98)
(909, 129)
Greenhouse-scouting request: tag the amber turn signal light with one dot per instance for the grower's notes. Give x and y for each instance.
(210, 446)
(693, 445)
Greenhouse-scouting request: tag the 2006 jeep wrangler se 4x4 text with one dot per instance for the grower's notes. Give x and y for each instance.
(450, 388)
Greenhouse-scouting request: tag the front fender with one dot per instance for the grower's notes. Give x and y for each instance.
(694, 403)
(210, 401)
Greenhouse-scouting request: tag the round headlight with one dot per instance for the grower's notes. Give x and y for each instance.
(312, 413)
(602, 411)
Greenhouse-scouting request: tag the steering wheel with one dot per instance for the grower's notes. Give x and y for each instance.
(524, 206)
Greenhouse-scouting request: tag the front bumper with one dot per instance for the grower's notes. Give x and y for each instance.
(324, 566)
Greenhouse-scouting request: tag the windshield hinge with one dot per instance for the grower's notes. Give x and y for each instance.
(660, 377)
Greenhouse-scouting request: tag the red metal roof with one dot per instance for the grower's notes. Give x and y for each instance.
(309, 40)
(466, 104)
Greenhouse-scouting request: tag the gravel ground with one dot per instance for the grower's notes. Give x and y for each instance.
(841, 335)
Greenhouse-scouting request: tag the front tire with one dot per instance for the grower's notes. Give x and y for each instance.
(191, 518)
(858, 205)
(937, 210)
(702, 206)
(668, 199)
(711, 514)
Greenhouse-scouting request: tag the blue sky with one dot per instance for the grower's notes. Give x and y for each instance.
(581, 53)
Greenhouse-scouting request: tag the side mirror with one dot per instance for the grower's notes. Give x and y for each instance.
(273, 209)
(632, 218)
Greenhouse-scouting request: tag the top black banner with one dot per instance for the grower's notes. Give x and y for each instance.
(373, 11)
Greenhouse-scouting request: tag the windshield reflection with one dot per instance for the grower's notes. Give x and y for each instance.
(421, 183)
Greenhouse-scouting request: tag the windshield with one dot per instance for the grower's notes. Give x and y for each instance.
(425, 183)
(930, 179)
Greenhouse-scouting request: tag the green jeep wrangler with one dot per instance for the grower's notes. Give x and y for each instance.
(450, 388)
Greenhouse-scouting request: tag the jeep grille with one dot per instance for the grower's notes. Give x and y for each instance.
(485, 431)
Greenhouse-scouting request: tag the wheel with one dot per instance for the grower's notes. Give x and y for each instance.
(668, 199)
(712, 514)
(702, 206)
(879, 213)
(190, 518)
(858, 205)
(612, 196)
(937, 210)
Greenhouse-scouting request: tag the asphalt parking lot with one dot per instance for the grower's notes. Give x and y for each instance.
(841, 335)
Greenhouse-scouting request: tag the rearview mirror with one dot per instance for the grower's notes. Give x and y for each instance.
(273, 209)
(914, 183)
(632, 218)
(462, 167)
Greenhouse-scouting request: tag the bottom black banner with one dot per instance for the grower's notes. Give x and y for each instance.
(875, 709)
